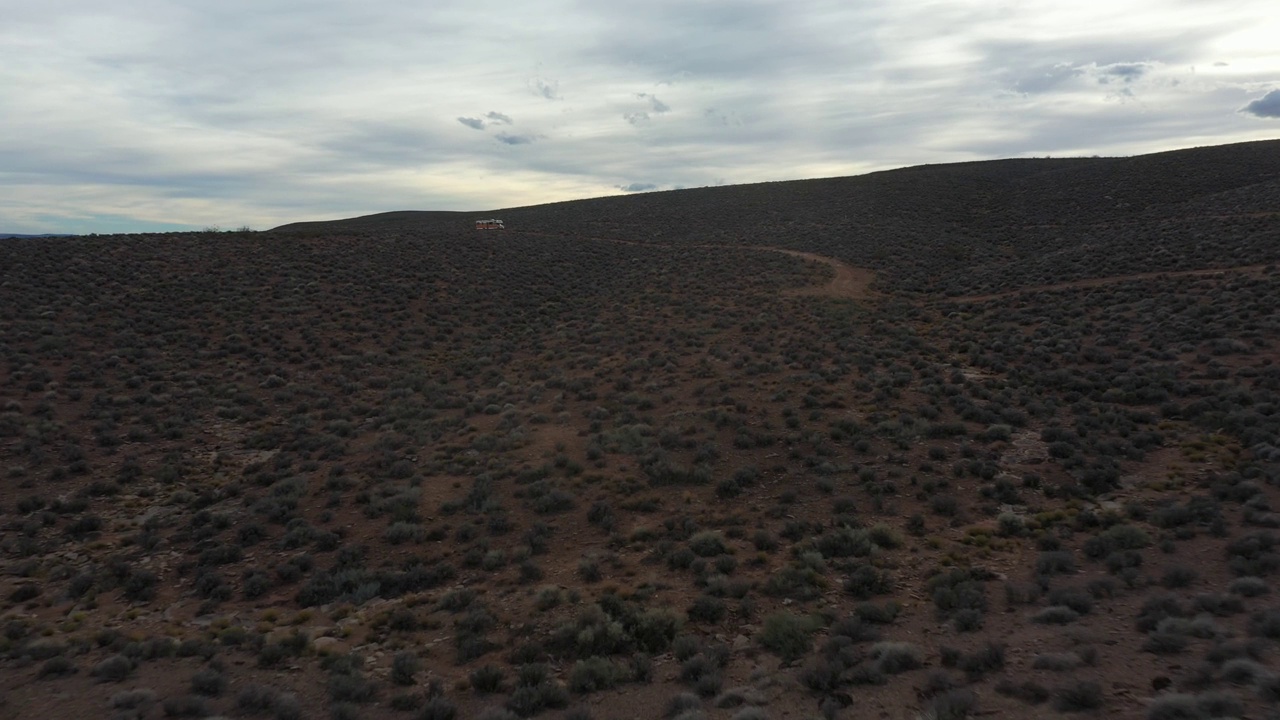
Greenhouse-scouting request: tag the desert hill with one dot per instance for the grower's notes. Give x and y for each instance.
(995, 439)
(999, 225)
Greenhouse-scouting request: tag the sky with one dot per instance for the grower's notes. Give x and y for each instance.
(147, 115)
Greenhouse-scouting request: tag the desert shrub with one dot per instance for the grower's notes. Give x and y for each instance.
(945, 505)
(1055, 562)
(80, 584)
(1166, 640)
(212, 586)
(402, 532)
(140, 586)
(707, 544)
(1243, 671)
(821, 674)
(866, 581)
(1055, 615)
(892, 658)
(764, 541)
(593, 674)
(113, 669)
(796, 581)
(487, 679)
(56, 667)
(1103, 587)
(438, 708)
(844, 542)
(256, 584)
(878, 614)
(1219, 604)
(404, 666)
(589, 569)
(1058, 662)
(530, 699)
(1116, 537)
(937, 682)
(405, 702)
(287, 707)
(787, 635)
(638, 668)
(854, 628)
(867, 673)
(208, 681)
(350, 687)
(1253, 554)
(958, 589)
(1175, 707)
(953, 704)
(653, 630)
(1028, 691)
(1156, 609)
(988, 658)
(1075, 598)
(708, 662)
(1079, 696)
(1265, 623)
(1017, 593)
(601, 514)
(707, 609)
(133, 699)
(682, 703)
(1248, 587)
(1219, 704)
(1178, 576)
(1122, 560)
(456, 600)
(967, 620)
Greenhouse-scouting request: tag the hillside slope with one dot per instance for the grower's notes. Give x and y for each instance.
(953, 229)
(660, 456)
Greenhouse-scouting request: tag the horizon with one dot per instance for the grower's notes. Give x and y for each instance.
(184, 228)
(171, 118)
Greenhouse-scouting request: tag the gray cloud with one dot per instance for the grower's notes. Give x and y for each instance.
(1267, 106)
(545, 89)
(637, 187)
(498, 118)
(655, 107)
(509, 139)
(1045, 78)
(675, 40)
(1127, 72)
(655, 104)
(473, 123)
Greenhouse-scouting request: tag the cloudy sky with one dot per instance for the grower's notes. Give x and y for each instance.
(139, 115)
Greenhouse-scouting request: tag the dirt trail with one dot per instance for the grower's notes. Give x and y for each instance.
(850, 283)
(1098, 282)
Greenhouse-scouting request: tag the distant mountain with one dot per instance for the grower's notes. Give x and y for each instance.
(8, 236)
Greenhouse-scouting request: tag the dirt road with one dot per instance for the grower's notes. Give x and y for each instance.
(850, 283)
